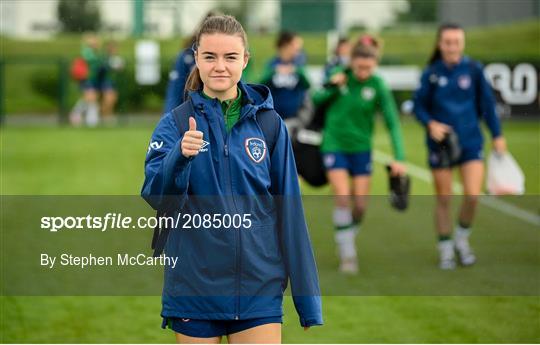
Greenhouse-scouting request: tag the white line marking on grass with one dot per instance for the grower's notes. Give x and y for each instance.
(490, 201)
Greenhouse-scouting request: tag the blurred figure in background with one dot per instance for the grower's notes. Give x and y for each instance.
(87, 108)
(180, 71)
(112, 65)
(453, 96)
(286, 78)
(355, 98)
(341, 57)
(102, 67)
(178, 76)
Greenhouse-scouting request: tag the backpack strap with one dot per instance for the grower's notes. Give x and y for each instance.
(268, 120)
(181, 116)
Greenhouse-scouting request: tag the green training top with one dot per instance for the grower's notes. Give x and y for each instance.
(350, 118)
(230, 108)
(94, 61)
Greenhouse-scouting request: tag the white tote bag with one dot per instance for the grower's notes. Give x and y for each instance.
(504, 176)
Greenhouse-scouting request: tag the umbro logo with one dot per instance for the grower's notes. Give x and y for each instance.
(204, 147)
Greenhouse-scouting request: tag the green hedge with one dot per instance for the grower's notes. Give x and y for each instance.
(44, 81)
(33, 87)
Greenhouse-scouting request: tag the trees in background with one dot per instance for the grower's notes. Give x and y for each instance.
(79, 15)
(423, 11)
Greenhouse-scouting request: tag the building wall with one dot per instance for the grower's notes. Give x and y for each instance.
(169, 18)
(191, 13)
(482, 12)
(21, 18)
(8, 13)
(374, 15)
(265, 15)
(117, 15)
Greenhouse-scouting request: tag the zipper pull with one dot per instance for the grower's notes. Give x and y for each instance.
(226, 151)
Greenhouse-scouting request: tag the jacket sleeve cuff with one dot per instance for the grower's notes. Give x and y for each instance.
(177, 159)
(176, 171)
(424, 120)
(315, 320)
(496, 133)
(309, 310)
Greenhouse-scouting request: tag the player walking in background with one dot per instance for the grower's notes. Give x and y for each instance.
(341, 57)
(178, 76)
(102, 67)
(358, 94)
(109, 78)
(453, 96)
(226, 141)
(286, 78)
(184, 63)
(87, 108)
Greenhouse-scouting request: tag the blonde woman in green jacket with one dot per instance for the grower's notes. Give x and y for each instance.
(356, 96)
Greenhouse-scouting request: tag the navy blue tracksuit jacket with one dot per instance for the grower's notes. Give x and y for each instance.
(288, 91)
(227, 274)
(177, 79)
(458, 96)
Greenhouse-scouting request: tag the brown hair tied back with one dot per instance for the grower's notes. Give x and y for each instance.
(220, 24)
(366, 47)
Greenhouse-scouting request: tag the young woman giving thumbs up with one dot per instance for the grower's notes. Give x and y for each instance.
(226, 161)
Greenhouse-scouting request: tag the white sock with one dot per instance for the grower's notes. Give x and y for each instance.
(462, 237)
(80, 107)
(461, 232)
(92, 114)
(446, 249)
(342, 217)
(345, 232)
(345, 240)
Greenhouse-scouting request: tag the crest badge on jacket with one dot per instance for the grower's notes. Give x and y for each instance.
(256, 149)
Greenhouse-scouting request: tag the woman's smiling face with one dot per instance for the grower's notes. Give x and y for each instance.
(220, 59)
(363, 67)
(452, 43)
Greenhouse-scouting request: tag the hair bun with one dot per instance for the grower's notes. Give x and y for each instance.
(366, 47)
(368, 40)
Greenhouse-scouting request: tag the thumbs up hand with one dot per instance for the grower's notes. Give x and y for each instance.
(192, 140)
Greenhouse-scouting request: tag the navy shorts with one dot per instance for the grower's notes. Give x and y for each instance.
(215, 328)
(467, 154)
(104, 85)
(356, 163)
